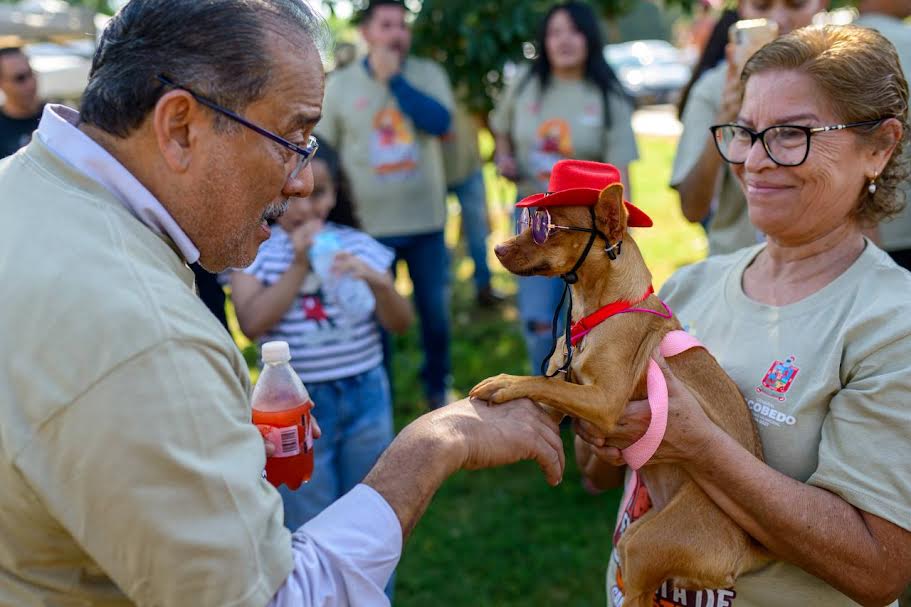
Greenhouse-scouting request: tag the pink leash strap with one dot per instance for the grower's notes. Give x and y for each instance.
(638, 454)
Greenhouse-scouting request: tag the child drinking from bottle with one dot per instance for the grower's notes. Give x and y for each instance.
(338, 357)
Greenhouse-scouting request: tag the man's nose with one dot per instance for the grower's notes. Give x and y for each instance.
(300, 186)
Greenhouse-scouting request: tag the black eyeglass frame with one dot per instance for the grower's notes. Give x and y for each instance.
(306, 153)
(807, 130)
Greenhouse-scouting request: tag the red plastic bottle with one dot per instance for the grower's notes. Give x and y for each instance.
(281, 411)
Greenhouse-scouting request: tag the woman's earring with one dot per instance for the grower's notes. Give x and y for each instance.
(872, 187)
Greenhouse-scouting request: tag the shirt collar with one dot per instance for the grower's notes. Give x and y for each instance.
(59, 133)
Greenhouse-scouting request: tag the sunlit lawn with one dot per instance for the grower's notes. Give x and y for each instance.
(504, 537)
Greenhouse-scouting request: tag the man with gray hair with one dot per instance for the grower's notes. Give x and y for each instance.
(130, 469)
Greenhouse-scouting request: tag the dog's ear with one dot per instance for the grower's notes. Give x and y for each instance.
(611, 213)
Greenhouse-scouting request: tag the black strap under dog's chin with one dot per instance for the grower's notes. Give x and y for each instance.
(569, 279)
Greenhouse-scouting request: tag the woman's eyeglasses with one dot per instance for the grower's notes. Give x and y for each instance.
(788, 145)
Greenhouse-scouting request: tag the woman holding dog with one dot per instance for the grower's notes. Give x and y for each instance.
(568, 104)
(814, 326)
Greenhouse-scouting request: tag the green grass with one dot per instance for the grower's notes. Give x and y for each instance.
(504, 537)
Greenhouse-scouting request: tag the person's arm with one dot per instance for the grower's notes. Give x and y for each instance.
(862, 555)
(393, 311)
(504, 157)
(260, 307)
(428, 114)
(466, 435)
(698, 184)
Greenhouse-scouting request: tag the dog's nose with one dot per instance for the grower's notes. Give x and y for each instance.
(500, 249)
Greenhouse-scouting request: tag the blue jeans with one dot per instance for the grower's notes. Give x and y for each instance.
(428, 266)
(473, 199)
(355, 415)
(537, 298)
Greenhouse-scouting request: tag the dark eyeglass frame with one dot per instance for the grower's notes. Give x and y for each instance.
(526, 219)
(808, 131)
(305, 154)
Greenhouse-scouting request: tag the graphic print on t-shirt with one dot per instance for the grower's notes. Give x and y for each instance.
(777, 380)
(636, 505)
(393, 149)
(554, 142)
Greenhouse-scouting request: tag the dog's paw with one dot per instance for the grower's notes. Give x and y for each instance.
(499, 389)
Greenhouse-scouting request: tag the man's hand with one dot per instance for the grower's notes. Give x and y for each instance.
(470, 435)
(385, 63)
(491, 436)
(315, 432)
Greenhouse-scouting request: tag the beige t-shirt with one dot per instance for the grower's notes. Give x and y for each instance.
(730, 228)
(567, 121)
(129, 468)
(395, 169)
(461, 156)
(896, 233)
(827, 380)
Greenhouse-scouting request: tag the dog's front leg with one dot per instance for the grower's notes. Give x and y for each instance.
(586, 402)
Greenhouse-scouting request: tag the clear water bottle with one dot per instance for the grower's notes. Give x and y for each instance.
(352, 295)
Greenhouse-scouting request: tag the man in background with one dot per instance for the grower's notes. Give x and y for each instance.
(21, 109)
(385, 114)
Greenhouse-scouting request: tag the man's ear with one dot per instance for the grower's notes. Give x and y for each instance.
(176, 122)
(610, 212)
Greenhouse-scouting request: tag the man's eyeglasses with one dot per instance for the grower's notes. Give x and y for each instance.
(541, 227)
(787, 145)
(304, 154)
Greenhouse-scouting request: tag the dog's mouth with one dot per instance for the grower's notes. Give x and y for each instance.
(537, 270)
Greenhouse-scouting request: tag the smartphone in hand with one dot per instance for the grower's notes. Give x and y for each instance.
(748, 36)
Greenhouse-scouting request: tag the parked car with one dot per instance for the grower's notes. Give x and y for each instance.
(651, 71)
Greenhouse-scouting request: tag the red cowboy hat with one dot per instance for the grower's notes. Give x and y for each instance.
(577, 183)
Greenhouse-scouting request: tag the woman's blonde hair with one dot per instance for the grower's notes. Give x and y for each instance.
(860, 75)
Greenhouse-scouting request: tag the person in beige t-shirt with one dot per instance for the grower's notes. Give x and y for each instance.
(567, 104)
(814, 327)
(386, 114)
(890, 18)
(708, 190)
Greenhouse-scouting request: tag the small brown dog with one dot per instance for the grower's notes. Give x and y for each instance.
(609, 369)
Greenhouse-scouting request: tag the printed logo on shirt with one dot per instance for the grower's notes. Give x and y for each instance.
(554, 142)
(313, 308)
(393, 150)
(778, 379)
(667, 595)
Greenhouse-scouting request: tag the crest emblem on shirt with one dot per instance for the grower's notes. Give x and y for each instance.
(778, 379)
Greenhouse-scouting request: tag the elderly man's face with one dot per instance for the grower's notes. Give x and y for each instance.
(243, 176)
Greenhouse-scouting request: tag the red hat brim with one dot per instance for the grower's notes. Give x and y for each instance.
(584, 197)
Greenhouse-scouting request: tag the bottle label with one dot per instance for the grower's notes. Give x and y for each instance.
(285, 440)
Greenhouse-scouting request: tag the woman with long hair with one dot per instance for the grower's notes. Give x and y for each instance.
(567, 103)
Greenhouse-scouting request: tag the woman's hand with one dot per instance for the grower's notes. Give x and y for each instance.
(689, 430)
